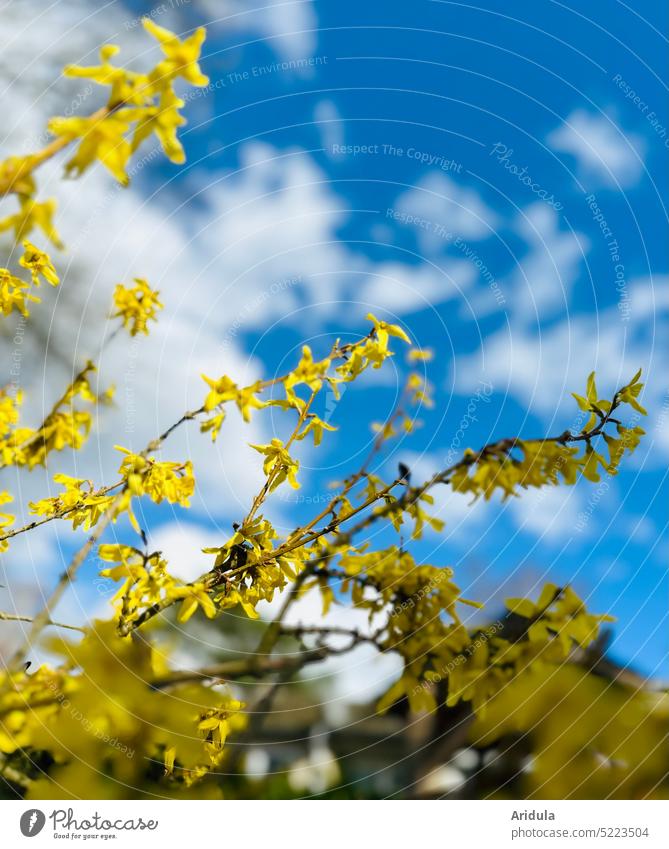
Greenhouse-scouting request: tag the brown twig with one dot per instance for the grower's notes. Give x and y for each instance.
(60, 514)
(276, 468)
(233, 670)
(15, 617)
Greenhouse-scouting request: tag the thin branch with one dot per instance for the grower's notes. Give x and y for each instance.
(276, 468)
(15, 617)
(43, 617)
(68, 575)
(26, 165)
(413, 494)
(322, 632)
(60, 514)
(246, 667)
(273, 630)
(410, 496)
(156, 443)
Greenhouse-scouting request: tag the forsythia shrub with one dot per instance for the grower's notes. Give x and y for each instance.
(115, 718)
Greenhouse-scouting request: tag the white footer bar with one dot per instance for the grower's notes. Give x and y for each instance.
(336, 825)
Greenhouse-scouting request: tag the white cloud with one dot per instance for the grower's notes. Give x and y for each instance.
(605, 154)
(330, 125)
(289, 26)
(543, 279)
(442, 202)
(181, 544)
(541, 368)
(549, 514)
(400, 288)
(449, 219)
(545, 270)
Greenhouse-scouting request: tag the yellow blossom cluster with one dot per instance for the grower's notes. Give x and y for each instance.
(101, 707)
(249, 568)
(145, 582)
(147, 585)
(589, 738)
(354, 358)
(6, 519)
(136, 305)
(15, 293)
(372, 351)
(476, 665)
(279, 464)
(389, 581)
(173, 482)
(512, 464)
(32, 214)
(138, 105)
(64, 427)
(84, 505)
(80, 502)
(27, 700)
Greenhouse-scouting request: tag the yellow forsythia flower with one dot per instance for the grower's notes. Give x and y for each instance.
(14, 294)
(136, 306)
(39, 264)
(6, 519)
(181, 57)
(32, 214)
(173, 482)
(278, 462)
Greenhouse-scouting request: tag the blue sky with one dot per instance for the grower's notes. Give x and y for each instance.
(428, 98)
(489, 176)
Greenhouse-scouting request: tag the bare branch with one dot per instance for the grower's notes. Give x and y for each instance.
(15, 617)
